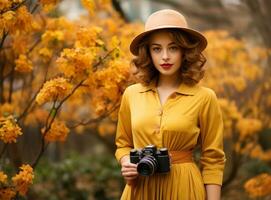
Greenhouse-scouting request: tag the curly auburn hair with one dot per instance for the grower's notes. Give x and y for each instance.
(192, 70)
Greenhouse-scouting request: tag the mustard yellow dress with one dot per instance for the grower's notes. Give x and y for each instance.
(190, 116)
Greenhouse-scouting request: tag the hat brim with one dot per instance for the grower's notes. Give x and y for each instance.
(202, 40)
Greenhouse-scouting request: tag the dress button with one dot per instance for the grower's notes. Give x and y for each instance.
(173, 95)
(160, 112)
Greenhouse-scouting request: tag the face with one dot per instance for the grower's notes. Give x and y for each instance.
(165, 53)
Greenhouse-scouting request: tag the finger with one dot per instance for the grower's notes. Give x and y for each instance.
(124, 169)
(131, 165)
(127, 174)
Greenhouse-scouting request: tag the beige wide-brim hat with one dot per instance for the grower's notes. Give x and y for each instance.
(164, 19)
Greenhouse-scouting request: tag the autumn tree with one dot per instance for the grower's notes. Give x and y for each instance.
(56, 76)
(236, 72)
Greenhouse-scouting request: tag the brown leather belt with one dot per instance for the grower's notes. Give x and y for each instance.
(181, 156)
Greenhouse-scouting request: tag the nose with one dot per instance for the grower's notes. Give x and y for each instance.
(165, 55)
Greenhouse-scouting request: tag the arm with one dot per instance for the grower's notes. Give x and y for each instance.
(212, 156)
(124, 138)
(213, 191)
(124, 141)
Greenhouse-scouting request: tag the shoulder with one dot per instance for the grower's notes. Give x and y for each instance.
(134, 88)
(206, 91)
(206, 94)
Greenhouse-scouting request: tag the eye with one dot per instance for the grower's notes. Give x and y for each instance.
(174, 48)
(156, 49)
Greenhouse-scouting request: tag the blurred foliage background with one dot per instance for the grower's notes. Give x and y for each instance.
(65, 64)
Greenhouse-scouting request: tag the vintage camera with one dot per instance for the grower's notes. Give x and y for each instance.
(150, 160)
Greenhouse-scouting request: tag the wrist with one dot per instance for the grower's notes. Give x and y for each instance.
(125, 159)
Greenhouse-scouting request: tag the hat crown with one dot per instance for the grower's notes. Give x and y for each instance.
(165, 18)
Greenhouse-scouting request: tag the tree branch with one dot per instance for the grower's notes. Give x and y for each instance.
(2, 66)
(116, 5)
(11, 83)
(3, 150)
(4, 36)
(95, 120)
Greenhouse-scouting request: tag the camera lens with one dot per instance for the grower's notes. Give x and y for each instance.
(147, 166)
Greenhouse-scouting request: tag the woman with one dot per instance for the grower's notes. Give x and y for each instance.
(168, 109)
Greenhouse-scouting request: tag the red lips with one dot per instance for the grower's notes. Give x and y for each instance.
(166, 66)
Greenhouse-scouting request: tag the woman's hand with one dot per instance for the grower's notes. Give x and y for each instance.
(128, 170)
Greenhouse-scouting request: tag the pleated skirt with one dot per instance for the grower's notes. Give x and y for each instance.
(183, 182)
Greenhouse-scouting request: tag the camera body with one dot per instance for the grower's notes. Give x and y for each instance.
(150, 160)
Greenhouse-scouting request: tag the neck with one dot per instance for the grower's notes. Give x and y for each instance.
(169, 81)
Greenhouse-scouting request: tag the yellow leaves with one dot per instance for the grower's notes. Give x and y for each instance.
(7, 193)
(88, 37)
(253, 149)
(115, 46)
(248, 127)
(89, 5)
(107, 128)
(45, 53)
(108, 83)
(9, 15)
(59, 33)
(115, 43)
(77, 62)
(230, 115)
(260, 53)
(24, 19)
(21, 183)
(259, 186)
(23, 64)
(238, 83)
(37, 116)
(52, 38)
(9, 129)
(269, 100)
(17, 1)
(57, 132)
(52, 90)
(3, 177)
(7, 109)
(16, 21)
(20, 43)
(48, 4)
(5, 4)
(111, 25)
(23, 179)
(104, 1)
(7, 20)
(62, 24)
(252, 72)
(231, 63)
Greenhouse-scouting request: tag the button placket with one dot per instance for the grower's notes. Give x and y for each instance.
(160, 115)
(160, 112)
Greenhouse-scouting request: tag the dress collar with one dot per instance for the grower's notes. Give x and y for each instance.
(183, 88)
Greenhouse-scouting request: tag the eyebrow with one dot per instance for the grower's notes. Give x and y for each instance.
(160, 44)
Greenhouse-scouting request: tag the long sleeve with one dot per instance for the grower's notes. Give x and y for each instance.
(124, 140)
(212, 154)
